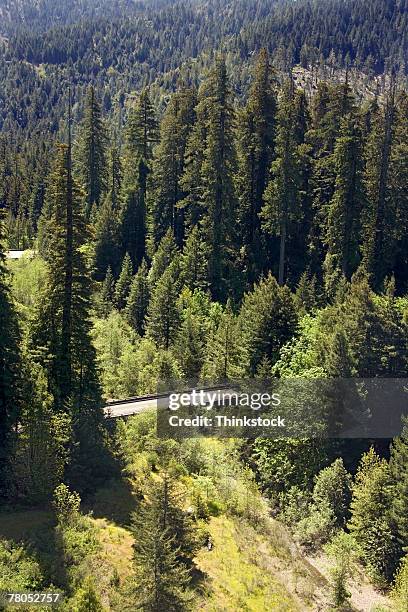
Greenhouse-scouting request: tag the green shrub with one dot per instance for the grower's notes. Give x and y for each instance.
(86, 598)
(341, 550)
(317, 528)
(399, 592)
(66, 504)
(18, 571)
(294, 505)
(333, 490)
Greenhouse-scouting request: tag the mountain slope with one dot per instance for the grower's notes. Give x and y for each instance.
(124, 47)
(43, 14)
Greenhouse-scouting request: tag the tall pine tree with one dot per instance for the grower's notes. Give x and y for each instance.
(222, 354)
(371, 524)
(163, 317)
(284, 195)
(344, 210)
(162, 576)
(378, 244)
(10, 369)
(256, 139)
(122, 288)
(138, 300)
(194, 262)
(141, 135)
(60, 332)
(168, 168)
(208, 178)
(330, 105)
(92, 154)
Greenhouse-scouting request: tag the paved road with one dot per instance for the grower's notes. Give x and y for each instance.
(129, 407)
(13, 254)
(136, 405)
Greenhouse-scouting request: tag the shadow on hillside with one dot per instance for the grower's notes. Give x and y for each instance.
(35, 531)
(114, 502)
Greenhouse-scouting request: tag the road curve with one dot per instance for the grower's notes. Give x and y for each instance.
(136, 405)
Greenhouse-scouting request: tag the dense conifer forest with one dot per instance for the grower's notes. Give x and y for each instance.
(203, 191)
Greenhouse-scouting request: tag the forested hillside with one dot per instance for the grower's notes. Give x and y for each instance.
(188, 212)
(171, 44)
(42, 14)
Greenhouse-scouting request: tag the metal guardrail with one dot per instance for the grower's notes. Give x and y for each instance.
(138, 398)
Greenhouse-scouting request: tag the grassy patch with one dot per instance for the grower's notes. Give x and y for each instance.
(242, 571)
(22, 525)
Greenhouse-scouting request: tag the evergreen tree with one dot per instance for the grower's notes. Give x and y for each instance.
(341, 550)
(217, 173)
(171, 498)
(306, 297)
(107, 239)
(191, 205)
(190, 345)
(208, 178)
(168, 168)
(60, 332)
(256, 136)
(133, 214)
(283, 196)
(162, 579)
(163, 317)
(193, 262)
(138, 300)
(333, 490)
(344, 210)
(10, 369)
(222, 354)
(142, 128)
(166, 253)
(378, 238)
(399, 474)
(267, 320)
(141, 135)
(264, 369)
(370, 523)
(363, 336)
(92, 157)
(122, 288)
(330, 105)
(398, 181)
